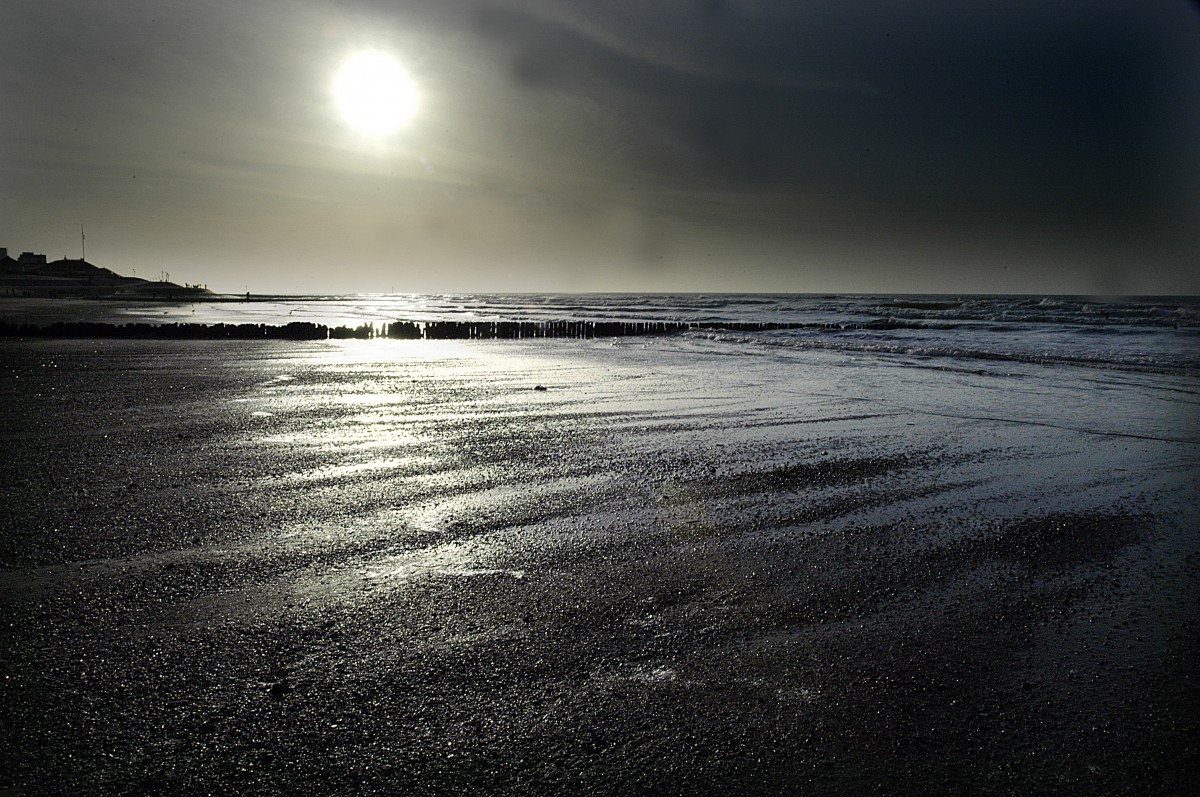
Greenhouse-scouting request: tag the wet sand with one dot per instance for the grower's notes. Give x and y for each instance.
(379, 567)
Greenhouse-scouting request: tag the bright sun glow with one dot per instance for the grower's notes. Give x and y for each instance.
(374, 94)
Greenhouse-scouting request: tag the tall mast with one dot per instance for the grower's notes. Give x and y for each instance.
(82, 242)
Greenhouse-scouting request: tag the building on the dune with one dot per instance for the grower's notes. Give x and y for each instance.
(26, 262)
(8, 265)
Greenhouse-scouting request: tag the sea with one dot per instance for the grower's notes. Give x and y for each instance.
(1157, 334)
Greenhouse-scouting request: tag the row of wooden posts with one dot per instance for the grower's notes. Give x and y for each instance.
(406, 330)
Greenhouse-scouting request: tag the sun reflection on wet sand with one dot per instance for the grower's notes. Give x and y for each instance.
(411, 464)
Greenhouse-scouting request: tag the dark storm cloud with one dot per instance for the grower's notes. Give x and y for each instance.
(1021, 110)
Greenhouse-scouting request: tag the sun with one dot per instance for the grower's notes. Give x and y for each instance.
(374, 94)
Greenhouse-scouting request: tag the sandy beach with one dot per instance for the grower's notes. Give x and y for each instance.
(591, 567)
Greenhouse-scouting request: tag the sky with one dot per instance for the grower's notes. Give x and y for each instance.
(1008, 146)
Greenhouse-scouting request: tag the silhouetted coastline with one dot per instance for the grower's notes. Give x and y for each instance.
(30, 275)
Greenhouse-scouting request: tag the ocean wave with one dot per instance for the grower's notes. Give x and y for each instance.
(1159, 334)
(1115, 360)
